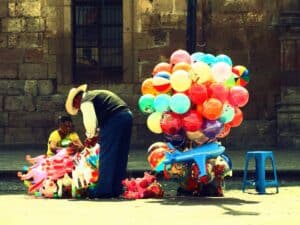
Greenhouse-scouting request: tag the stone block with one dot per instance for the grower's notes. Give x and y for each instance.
(236, 6)
(163, 6)
(34, 55)
(13, 103)
(14, 25)
(1, 135)
(13, 11)
(30, 9)
(30, 40)
(18, 136)
(32, 71)
(144, 6)
(11, 55)
(38, 119)
(35, 25)
(52, 73)
(3, 87)
(13, 40)
(3, 40)
(40, 136)
(3, 9)
(31, 119)
(51, 103)
(31, 87)
(46, 87)
(15, 87)
(29, 103)
(17, 119)
(3, 119)
(8, 71)
(142, 136)
(1, 103)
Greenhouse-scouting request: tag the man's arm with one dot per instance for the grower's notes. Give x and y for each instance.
(90, 121)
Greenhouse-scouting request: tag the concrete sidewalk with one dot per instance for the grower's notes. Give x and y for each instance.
(13, 160)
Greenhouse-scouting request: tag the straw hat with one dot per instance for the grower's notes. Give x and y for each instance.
(69, 102)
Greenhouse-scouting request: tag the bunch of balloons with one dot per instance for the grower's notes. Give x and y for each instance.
(194, 98)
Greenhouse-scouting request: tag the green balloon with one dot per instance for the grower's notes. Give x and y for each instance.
(65, 142)
(230, 82)
(146, 103)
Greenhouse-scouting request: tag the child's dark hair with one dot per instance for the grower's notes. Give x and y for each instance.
(62, 119)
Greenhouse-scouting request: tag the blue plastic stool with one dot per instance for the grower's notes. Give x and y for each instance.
(260, 181)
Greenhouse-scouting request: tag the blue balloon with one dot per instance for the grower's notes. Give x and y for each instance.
(163, 74)
(162, 103)
(224, 58)
(196, 57)
(146, 103)
(180, 103)
(208, 59)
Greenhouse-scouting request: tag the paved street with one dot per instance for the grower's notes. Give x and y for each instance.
(235, 208)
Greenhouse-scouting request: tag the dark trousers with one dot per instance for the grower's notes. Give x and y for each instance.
(115, 134)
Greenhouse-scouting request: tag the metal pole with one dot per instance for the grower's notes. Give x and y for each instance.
(191, 26)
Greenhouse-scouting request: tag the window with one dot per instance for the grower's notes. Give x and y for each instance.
(97, 40)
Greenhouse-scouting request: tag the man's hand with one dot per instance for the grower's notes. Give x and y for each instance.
(90, 142)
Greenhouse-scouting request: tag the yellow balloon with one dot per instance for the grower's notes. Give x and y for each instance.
(201, 73)
(153, 122)
(180, 80)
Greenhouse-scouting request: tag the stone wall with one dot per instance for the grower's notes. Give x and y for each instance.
(35, 61)
(28, 86)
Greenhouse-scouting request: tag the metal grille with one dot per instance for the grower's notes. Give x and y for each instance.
(97, 44)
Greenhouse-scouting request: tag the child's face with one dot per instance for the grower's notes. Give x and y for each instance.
(66, 127)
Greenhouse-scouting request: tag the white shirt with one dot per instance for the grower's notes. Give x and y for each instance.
(90, 121)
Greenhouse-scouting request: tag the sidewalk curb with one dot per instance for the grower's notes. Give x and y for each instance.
(237, 174)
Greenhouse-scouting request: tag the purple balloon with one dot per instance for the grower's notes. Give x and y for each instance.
(177, 140)
(211, 128)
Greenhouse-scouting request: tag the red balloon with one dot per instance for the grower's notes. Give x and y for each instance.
(218, 91)
(237, 119)
(170, 123)
(156, 157)
(238, 96)
(197, 93)
(163, 66)
(212, 109)
(225, 131)
(157, 145)
(192, 121)
(180, 56)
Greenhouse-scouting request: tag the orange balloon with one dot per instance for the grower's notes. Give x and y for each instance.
(237, 119)
(212, 109)
(181, 66)
(163, 66)
(225, 131)
(147, 87)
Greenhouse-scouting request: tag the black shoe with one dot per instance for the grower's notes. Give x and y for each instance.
(92, 193)
(182, 192)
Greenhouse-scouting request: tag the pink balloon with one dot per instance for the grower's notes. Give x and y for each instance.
(238, 96)
(180, 56)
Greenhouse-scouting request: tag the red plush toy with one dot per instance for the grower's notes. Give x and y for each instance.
(145, 187)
